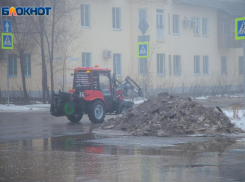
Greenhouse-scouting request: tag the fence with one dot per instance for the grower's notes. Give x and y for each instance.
(20, 101)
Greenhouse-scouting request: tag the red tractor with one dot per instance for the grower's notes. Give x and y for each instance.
(95, 93)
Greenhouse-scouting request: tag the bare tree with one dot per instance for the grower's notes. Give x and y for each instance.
(23, 44)
(184, 82)
(60, 11)
(39, 23)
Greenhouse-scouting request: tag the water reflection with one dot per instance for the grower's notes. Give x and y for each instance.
(75, 158)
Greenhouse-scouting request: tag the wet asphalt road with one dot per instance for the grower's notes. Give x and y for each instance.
(35, 125)
(39, 147)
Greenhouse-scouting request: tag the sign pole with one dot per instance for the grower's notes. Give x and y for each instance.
(146, 70)
(7, 55)
(7, 43)
(143, 26)
(240, 34)
(244, 68)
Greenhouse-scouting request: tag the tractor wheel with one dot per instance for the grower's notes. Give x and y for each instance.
(96, 112)
(74, 118)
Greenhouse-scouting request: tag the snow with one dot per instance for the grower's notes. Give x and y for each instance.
(239, 122)
(137, 100)
(202, 98)
(24, 108)
(225, 95)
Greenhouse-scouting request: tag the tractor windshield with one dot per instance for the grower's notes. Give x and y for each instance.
(82, 80)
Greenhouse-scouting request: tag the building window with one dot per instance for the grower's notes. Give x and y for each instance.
(142, 15)
(2, 55)
(86, 59)
(197, 70)
(196, 26)
(205, 26)
(12, 58)
(117, 64)
(223, 65)
(85, 16)
(177, 65)
(175, 24)
(205, 65)
(27, 64)
(169, 65)
(160, 24)
(241, 65)
(168, 23)
(160, 64)
(116, 18)
(142, 65)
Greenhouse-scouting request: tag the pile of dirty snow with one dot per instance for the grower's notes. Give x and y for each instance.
(166, 115)
(238, 120)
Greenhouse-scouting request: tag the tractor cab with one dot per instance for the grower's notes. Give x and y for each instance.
(93, 83)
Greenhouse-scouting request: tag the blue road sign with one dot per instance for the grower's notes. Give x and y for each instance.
(7, 26)
(143, 50)
(7, 41)
(240, 28)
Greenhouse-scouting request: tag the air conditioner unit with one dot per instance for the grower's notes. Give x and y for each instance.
(186, 22)
(107, 54)
(194, 23)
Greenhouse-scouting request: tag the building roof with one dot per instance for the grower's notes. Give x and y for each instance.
(233, 7)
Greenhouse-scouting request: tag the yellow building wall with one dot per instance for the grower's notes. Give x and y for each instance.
(101, 36)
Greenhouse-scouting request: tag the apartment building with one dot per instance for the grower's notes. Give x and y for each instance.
(191, 43)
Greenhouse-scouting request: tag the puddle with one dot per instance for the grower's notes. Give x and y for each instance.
(90, 157)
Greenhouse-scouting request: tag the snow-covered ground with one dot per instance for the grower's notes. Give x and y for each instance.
(202, 97)
(238, 121)
(226, 95)
(138, 100)
(24, 108)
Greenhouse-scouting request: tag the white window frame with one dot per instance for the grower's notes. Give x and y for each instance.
(224, 65)
(197, 65)
(177, 65)
(196, 29)
(13, 62)
(205, 65)
(170, 65)
(240, 64)
(205, 27)
(83, 16)
(84, 59)
(161, 65)
(117, 62)
(160, 24)
(139, 15)
(169, 24)
(178, 25)
(115, 18)
(27, 58)
(144, 64)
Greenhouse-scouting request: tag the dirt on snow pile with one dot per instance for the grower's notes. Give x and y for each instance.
(166, 115)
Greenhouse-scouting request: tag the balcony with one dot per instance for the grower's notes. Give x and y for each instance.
(226, 31)
(227, 40)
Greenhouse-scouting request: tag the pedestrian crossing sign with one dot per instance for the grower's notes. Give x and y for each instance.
(7, 41)
(143, 49)
(240, 28)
